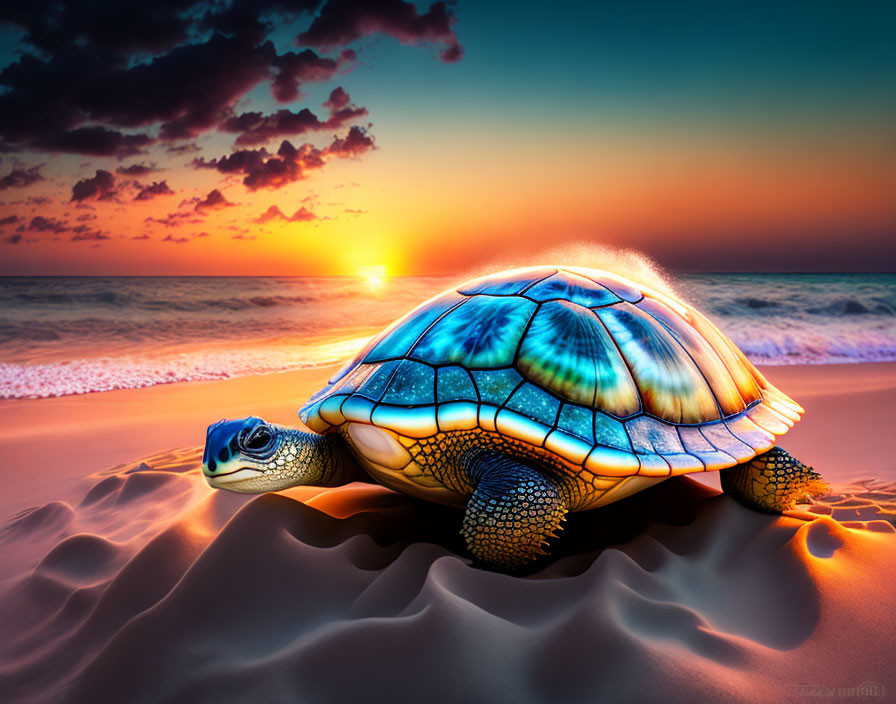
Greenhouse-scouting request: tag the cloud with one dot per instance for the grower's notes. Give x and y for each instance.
(94, 141)
(9, 220)
(257, 128)
(184, 148)
(293, 69)
(338, 99)
(20, 178)
(137, 169)
(344, 21)
(354, 144)
(144, 236)
(215, 200)
(175, 219)
(42, 224)
(158, 188)
(120, 79)
(264, 170)
(175, 240)
(84, 234)
(102, 185)
(274, 213)
(13, 239)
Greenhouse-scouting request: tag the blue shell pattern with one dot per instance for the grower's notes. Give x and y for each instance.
(615, 378)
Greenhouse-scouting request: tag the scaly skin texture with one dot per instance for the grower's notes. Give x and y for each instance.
(512, 513)
(445, 457)
(303, 459)
(772, 482)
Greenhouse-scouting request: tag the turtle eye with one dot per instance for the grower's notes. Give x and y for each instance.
(259, 439)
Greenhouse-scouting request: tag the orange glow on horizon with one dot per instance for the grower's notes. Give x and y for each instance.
(674, 195)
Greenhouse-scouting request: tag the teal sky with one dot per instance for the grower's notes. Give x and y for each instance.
(703, 133)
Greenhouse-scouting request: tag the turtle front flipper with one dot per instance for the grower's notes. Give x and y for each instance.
(512, 512)
(772, 482)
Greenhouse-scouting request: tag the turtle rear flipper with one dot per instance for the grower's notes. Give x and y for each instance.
(772, 482)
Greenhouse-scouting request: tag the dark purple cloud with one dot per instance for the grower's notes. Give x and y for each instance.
(292, 69)
(82, 233)
(137, 169)
(184, 148)
(120, 79)
(175, 219)
(215, 200)
(42, 224)
(175, 240)
(343, 21)
(94, 141)
(13, 239)
(157, 188)
(354, 144)
(261, 169)
(257, 128)
(20, 178)
(264, 170)
(274, 213)
(338, 99)
(185, 91)
(9, 220)
(100, 186)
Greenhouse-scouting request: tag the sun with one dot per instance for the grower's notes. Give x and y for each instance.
(373, 276)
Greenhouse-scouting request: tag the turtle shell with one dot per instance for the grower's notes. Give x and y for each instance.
(607, 374)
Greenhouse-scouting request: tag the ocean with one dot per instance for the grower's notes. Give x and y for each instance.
(61, 335)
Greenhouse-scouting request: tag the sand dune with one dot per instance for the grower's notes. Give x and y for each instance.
(151, 588)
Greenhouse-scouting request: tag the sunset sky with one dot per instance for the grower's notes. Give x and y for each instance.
(170, 138)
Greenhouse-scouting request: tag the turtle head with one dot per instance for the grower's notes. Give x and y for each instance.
(252, 456)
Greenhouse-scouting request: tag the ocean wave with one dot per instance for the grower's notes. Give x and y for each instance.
(72, 336)
(83, 376)
(138, 330)
(138, 302)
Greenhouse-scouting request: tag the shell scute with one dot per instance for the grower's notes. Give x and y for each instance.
(482, 332)
(567, 286)
(413, 383)
(567, 351)
(495, 386)
(396, 340)
(577, 420)
(455, 384)
(531, 401)
(671, 386)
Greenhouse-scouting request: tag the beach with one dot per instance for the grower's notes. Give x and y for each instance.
(126, 578)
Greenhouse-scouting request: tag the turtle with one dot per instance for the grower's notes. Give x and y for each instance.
(527, 394)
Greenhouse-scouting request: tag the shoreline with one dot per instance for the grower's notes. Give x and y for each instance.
(64, 439)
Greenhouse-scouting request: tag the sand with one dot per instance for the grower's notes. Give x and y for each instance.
(123, 577)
